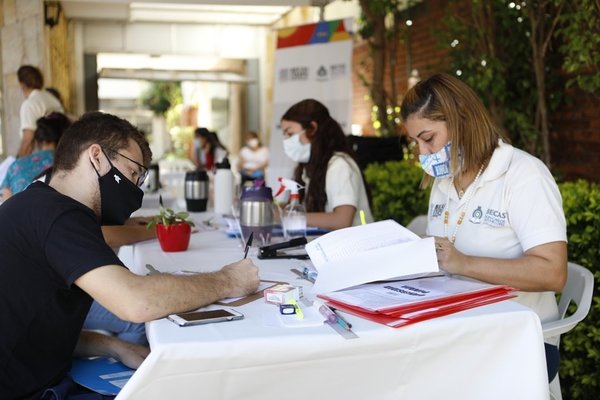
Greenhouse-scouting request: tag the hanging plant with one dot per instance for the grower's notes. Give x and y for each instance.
(162, 95)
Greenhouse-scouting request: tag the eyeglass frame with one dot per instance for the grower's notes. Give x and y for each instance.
(143, 175)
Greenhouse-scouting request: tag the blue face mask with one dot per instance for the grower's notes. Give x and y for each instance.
(437, 164)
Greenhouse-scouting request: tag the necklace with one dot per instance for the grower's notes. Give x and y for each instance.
(470, 192)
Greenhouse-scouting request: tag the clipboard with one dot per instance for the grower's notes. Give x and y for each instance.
(252, 297)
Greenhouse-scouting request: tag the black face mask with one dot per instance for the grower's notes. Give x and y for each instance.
(119, 197)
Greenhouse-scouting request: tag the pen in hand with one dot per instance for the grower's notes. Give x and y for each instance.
(248, 244)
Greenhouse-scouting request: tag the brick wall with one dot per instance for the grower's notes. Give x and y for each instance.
(575, 137)
(575, 128)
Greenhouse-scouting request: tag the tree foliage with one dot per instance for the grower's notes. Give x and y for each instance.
(489, 47)
(579, 33)
(382, 25)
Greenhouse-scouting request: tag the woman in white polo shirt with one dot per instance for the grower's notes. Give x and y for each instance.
(495, 211)
(335, 191)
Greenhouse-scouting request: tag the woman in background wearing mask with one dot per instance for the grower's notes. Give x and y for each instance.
(334, 187)
(495, 211)
(207, 149)
(254, 158)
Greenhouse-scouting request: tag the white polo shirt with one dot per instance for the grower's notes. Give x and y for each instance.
(516, 206)
(344, 186)
(38, 104)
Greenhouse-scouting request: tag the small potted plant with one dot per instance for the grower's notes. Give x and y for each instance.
(172, 229)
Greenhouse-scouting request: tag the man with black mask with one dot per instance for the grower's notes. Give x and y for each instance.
(55, 260)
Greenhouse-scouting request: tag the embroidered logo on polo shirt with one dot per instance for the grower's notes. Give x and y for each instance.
(117, 178)
(476, 216)
(437, 210)
(494, 217)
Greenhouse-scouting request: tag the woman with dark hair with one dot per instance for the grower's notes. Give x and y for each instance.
(207, 149)
(334, 187)
(495, 211)
(25, 169)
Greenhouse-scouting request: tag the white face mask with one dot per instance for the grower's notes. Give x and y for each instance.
(252, 143)
(437, 164)
(295, 149)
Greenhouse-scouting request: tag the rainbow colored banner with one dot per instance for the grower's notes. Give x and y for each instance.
(321, 32)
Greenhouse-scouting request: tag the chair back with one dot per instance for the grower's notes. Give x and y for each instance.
(579, 290)
(418, 225)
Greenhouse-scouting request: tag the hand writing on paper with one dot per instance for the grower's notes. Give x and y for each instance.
(449, 259)
(243, 277)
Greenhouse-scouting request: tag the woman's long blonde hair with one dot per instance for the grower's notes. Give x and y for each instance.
(474, 135)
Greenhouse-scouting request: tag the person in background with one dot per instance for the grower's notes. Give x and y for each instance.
(254, 158)
(55, 261)
(37, 104)
(25, 169)
(207, 149)
(495, 211)
(335, 191)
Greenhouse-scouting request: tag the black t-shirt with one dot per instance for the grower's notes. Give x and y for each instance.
(47, 241)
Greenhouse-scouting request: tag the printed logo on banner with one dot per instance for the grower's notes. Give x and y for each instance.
(293, 74)
(322, 73)
(283, 75)
(337, 71)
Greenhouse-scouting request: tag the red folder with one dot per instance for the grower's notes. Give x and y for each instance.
(406, 314)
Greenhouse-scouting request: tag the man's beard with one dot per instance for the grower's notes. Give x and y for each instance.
(96, 201)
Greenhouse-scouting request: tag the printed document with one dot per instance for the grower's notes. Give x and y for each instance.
(394, 295)
(367, 253)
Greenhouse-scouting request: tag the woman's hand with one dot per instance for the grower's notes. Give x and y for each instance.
(449, 259)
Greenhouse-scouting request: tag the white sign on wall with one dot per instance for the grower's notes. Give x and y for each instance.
(311, 61)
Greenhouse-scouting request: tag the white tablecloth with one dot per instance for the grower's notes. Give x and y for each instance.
(492, 352)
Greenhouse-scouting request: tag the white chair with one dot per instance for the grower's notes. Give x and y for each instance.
(418, 225)
(579, 290)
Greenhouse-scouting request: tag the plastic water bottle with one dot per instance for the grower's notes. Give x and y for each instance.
(293, 218)
(223, 182)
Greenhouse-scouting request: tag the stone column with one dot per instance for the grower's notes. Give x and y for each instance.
(23, 41)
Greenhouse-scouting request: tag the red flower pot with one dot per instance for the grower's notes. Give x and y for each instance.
(175, 237)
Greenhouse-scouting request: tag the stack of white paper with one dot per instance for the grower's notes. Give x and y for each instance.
(368, 253)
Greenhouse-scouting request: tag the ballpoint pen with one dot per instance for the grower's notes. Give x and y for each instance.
(328, 314)
(341, 321)
(248, 244)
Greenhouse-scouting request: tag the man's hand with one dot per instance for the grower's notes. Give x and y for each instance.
(243, 277)
(130, 354)
(97, 344)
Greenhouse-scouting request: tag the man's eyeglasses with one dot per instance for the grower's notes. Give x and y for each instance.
(142, 175)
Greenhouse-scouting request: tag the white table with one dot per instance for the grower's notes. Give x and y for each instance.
(492, 352)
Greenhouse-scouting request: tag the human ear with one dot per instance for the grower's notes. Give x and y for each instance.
(94, 153)
(311, 130)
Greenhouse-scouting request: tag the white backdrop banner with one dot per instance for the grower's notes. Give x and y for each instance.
(311, 61)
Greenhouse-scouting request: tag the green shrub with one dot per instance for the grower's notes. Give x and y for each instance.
(580, 348)
(395, 191)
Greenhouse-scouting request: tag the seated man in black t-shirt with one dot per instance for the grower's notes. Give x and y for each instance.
(55, 260)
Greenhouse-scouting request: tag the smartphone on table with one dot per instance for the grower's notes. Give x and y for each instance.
(205, 316)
